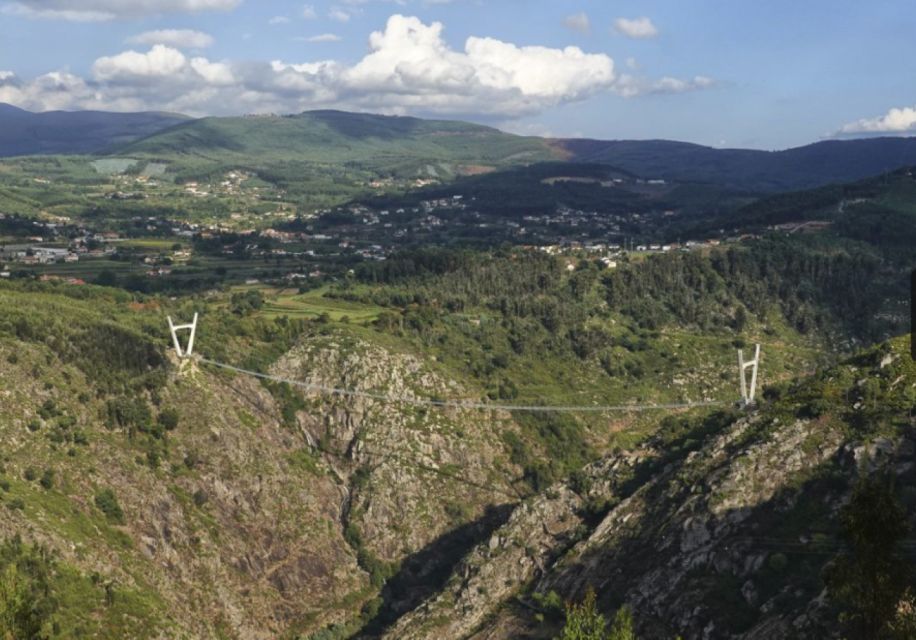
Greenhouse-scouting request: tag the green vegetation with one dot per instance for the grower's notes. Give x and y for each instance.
(97, 417)
(23, 132)
(584, 622)
(107, 502)
(869, 581)
(43, 598)
(26, 601)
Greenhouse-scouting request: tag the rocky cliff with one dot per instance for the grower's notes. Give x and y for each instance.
(720, 528)
(211, 504)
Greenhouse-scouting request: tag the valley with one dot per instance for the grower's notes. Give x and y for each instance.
(432, 376)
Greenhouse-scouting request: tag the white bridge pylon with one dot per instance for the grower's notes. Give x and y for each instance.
(748, 397)
(192, 326)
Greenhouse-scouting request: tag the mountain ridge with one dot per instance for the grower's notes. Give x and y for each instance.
(25, 132)
(420, 147)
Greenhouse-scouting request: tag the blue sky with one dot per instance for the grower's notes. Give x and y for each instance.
(745, 74)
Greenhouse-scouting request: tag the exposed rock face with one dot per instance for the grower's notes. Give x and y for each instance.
(534, 535)
(693, 521)
(415, 471)
(537, 533)
(244, 527)
(726, 541)
(238, 540)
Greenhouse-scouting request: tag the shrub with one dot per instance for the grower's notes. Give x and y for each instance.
(168, 418)
(48, 410)
(107, 503)
(200, 497)
(128, 412)
(47, 479)
(191, 459)
(583, 621)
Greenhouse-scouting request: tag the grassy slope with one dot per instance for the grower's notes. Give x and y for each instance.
(326, 137)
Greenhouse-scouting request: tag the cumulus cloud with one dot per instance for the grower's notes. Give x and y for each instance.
(578, 22)
(896, 120)
(278, 20)
(180, 38)
(100, 10)
(161, 61)
(635, 27)
(409, 68)
(309, 12)
(51, 91)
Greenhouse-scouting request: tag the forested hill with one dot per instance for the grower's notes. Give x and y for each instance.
(803, 167)
(382, 142)
(26, 133)
(283, 146)
(443, 148)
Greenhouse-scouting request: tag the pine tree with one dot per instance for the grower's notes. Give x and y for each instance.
(583, 622)
(622, 627)
(869, 580)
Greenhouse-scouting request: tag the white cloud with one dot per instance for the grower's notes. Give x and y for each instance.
(631, 86)
(409, 68)
(309, 12)
(158, 61)
(896, 120)
(338, 14)
(100, 10)
(55, 90)
(635, 27)
(214, 73)
(180, 38)
(278, 20)
(578, 22)
(323, 37)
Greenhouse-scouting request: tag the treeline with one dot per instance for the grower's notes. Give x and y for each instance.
(814, 287)
(114, 354)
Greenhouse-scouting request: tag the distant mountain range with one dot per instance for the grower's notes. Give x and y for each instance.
(435, 148)
(812, 165)
(66, 132)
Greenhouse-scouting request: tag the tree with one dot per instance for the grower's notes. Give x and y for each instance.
(903, 625)
(168, 418)
(622, 627)
(107, 278)
(740, 319)
(869, 580)
(26, 602)
(583, 622)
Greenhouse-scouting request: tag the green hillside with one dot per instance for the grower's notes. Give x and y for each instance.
(290, 511)
(67, 132)
(792, 520)
(385, 144)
